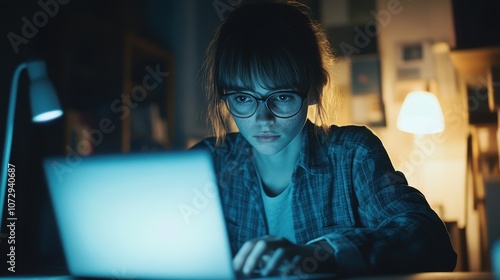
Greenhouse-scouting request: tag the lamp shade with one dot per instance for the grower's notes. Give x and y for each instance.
(421, 114)
(44, 103)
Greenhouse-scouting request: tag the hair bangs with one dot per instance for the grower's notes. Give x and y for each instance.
(268, 64)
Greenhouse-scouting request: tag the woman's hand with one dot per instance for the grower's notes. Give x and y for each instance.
(271, 255)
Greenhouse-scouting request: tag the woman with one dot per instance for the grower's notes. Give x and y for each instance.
(299, 197)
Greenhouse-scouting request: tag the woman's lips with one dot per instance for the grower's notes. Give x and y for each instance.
(267, 138)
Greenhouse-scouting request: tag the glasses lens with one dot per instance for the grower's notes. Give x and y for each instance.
(241, 104)
(281, 104)
(284, 104)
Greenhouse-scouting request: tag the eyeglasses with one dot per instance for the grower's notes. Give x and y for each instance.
(282, 104)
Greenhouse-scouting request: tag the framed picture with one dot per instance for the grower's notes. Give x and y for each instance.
(367, 102)
(148, 98)
(414, 67)
(414, 60)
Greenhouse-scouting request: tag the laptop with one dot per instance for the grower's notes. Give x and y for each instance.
(495, 259)
(130, 216)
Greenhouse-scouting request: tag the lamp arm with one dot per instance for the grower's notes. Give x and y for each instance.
(9, 128)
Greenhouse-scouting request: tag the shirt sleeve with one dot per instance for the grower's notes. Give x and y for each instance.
(399, 231)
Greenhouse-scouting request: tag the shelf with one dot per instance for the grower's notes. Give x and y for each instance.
(473, 65)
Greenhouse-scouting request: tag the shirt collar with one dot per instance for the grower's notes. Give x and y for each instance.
(315, 150)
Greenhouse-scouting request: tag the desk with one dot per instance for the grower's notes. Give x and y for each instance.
(416, 276)
(432, 276)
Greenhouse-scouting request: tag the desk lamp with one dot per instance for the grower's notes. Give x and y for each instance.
(44, 106)
(420, 114)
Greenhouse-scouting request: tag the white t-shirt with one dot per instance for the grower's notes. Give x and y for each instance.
(279, 213)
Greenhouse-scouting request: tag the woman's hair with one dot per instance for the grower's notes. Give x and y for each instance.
(276, 45)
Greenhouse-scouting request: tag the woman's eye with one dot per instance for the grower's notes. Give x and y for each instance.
(284, 98)
(242, 98)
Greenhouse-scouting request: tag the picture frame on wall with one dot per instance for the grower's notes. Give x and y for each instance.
(414, 60)
(414, 67)
(367, 100)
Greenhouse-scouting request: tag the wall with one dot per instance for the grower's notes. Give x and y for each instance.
(186, 27)
(444, 154)
(435, 164)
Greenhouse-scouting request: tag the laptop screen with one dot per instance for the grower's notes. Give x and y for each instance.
(140, 216)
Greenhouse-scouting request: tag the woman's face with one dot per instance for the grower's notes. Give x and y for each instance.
(270, 135)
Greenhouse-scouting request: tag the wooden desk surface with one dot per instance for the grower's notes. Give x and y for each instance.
(433, 276)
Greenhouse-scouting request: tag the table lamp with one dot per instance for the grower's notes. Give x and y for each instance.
(44, 106)
(421, 114)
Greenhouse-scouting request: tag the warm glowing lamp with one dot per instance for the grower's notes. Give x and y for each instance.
(44, 106)
(421, 114)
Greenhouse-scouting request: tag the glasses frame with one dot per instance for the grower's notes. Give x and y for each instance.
(263, 100)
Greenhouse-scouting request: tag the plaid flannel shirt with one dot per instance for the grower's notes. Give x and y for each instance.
(345, 192)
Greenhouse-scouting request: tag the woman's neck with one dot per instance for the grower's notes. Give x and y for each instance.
(276, 170)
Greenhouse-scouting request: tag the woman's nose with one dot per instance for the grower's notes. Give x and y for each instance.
(263, 114)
